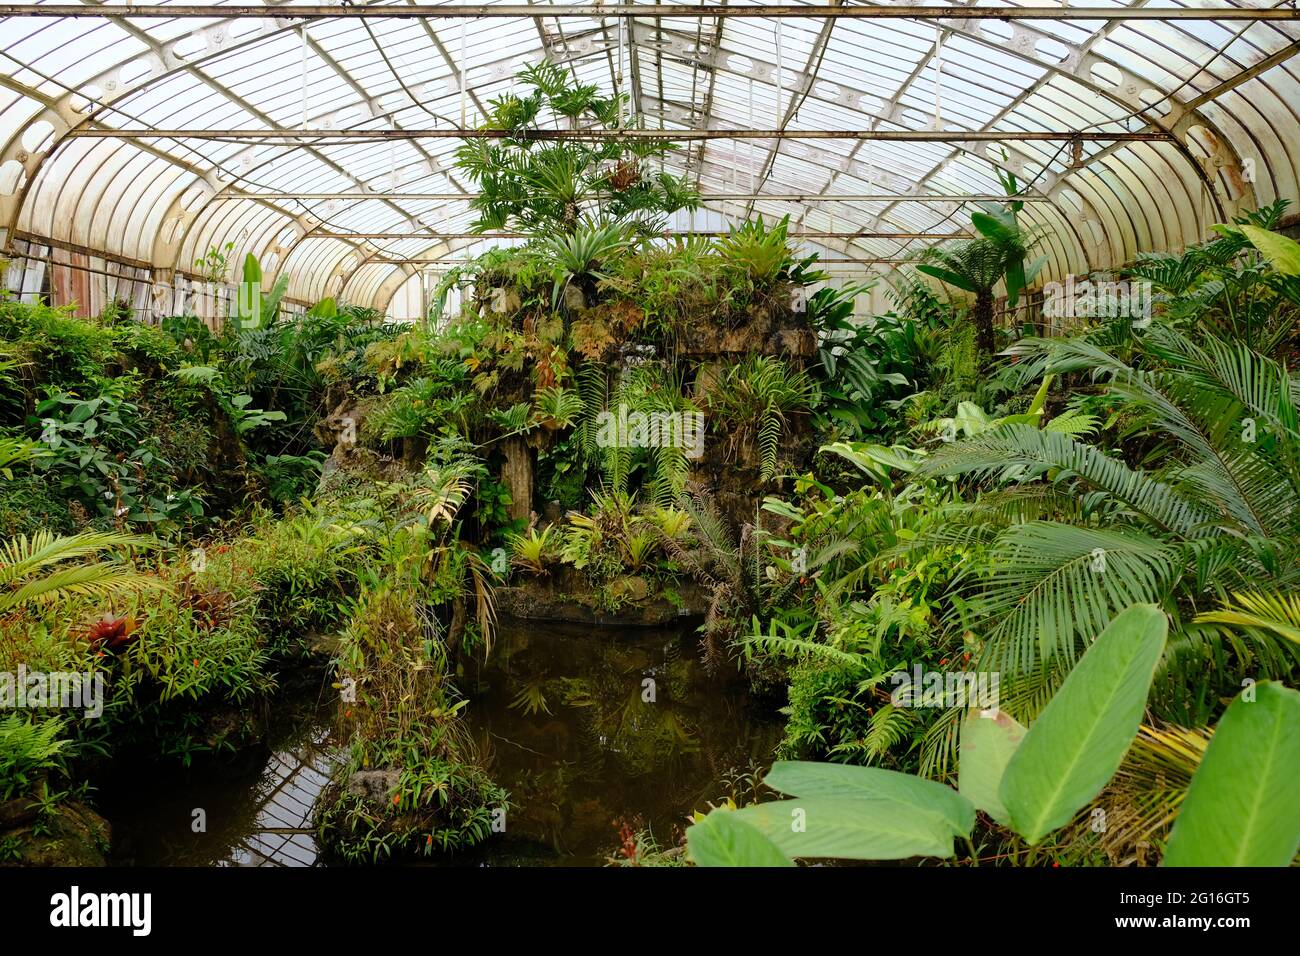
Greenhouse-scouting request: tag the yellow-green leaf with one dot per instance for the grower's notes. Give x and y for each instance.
(1243, 806)
(1076, 744)
(987, 744)
(723, 839)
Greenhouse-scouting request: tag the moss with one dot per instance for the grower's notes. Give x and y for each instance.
(70, 835)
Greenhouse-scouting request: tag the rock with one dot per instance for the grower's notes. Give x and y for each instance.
(375, 786)
(566, 595)
(74, 835)
(17, 812)
(631, 588)
(350, 465)
(574, 300)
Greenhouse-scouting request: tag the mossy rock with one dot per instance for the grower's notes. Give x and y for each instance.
(73, 835)
(566, 595)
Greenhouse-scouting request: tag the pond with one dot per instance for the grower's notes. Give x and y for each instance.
(594, 731)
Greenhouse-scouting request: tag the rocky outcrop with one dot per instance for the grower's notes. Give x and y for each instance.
(71, 834)
(566, 595)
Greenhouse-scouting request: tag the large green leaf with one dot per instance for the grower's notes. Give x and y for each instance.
(271, 303)
(723, 839)
(1076, 744)
(802, 778)
(252, 271)
(948, 276)
(1243, 807)
(999, 224)
(1282, 253)
(987, 744)
(851, 828)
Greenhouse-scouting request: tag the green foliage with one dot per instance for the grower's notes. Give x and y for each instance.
(725, 839)
(29, 749)
(988, 742)
(757, 395)
(1240, 808)
(1076, 744)
(36, 570)
(581, 256)
(533, 549)
(549, 187)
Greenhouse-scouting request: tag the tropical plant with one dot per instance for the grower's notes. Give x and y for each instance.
(533, 549)
(579, 257)
(757, 395)
(547, 188)
(1035, 781)
(977, 265)
(29, 748)
(34, 570)
(1217, 514)
(254, 308)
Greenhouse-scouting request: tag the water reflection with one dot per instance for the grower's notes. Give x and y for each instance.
(591, 729)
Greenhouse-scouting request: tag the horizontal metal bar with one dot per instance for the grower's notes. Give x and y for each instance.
(699, 11)
(461, 262)
(674, 135)
(73, 247)
(704, 197)
(322, 234)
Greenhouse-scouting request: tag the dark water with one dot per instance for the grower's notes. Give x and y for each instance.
(591, 730)
(256, 808)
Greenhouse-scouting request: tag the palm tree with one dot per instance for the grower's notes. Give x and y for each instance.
(1219, 516)
(33, 570)
(977, 265)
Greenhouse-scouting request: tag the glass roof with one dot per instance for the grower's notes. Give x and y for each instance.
(1225, 92)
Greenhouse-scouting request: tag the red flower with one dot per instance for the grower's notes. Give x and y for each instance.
(111, 633)
(942, 662)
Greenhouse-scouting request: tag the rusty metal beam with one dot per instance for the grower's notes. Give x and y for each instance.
(686, 10)
(322, 234)
(417, 261)
(704, 197)
(593, 135)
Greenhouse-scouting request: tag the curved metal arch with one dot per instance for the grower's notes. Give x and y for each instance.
(1202, 121)
(368, 104)
(837, 164)
(1077, 67)
(164, 63)
(63, 117)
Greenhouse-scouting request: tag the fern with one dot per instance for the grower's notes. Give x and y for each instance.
(887, 727)
(776, 644)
